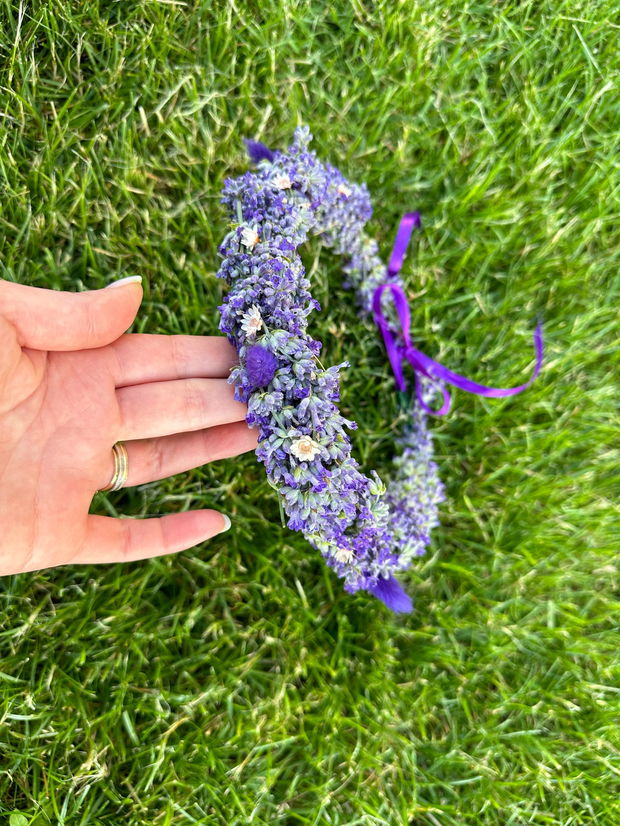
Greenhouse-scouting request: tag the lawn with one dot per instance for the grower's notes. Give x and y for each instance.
(237, 683)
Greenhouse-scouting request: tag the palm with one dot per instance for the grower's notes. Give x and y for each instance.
(62, 433)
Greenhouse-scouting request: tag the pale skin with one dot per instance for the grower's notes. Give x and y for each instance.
(72, 383)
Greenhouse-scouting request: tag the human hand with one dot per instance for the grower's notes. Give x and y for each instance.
(71, 385)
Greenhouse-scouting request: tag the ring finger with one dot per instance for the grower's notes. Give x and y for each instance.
(152, 459)
(164, 407)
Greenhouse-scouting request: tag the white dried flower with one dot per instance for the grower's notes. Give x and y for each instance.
(305, 448)
(282, 182)
(249, 237)
(344, 190)
(252, 321)
(344, 555)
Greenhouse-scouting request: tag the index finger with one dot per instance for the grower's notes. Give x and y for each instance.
(144, 357)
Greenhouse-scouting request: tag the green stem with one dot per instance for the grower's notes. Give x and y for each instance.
(282, 519)
(279, 495)
(404, 401)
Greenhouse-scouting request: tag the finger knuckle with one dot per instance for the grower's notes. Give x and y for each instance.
(179, 355)
(157, 459)
(196, 404)
(91, 320)
(126, 539)
(206, 445)
(164, 539)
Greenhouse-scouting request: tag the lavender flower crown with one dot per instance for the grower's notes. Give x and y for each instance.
(365, 530)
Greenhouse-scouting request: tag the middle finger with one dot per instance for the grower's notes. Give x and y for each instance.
(164, 407)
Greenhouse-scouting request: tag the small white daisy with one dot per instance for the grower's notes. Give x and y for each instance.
(249, 237)
(344, 555)
(344, 190)
(305, 448)
(282, 182)
(252, 321)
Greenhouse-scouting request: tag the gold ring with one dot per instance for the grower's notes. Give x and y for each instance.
(119, 477)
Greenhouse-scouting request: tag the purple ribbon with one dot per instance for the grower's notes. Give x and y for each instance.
(422, 364)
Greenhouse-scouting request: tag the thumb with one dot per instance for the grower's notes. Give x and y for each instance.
(59, 320)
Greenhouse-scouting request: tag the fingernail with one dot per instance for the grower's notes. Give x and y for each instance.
(131, 279)
(227, 523)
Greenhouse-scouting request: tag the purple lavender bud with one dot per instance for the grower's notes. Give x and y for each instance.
(260, 365)
(257, 151)
(391, 592)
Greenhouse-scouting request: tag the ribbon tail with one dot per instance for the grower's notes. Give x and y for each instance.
(434, 370)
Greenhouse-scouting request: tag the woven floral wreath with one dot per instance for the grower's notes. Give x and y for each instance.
(366, 531)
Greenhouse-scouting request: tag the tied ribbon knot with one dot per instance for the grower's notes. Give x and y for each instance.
(422, 364)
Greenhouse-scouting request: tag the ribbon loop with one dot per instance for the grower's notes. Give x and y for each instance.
(422, 364)
(405, 228)
(447, 399)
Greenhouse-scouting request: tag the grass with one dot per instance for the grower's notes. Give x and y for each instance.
(237, 683)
